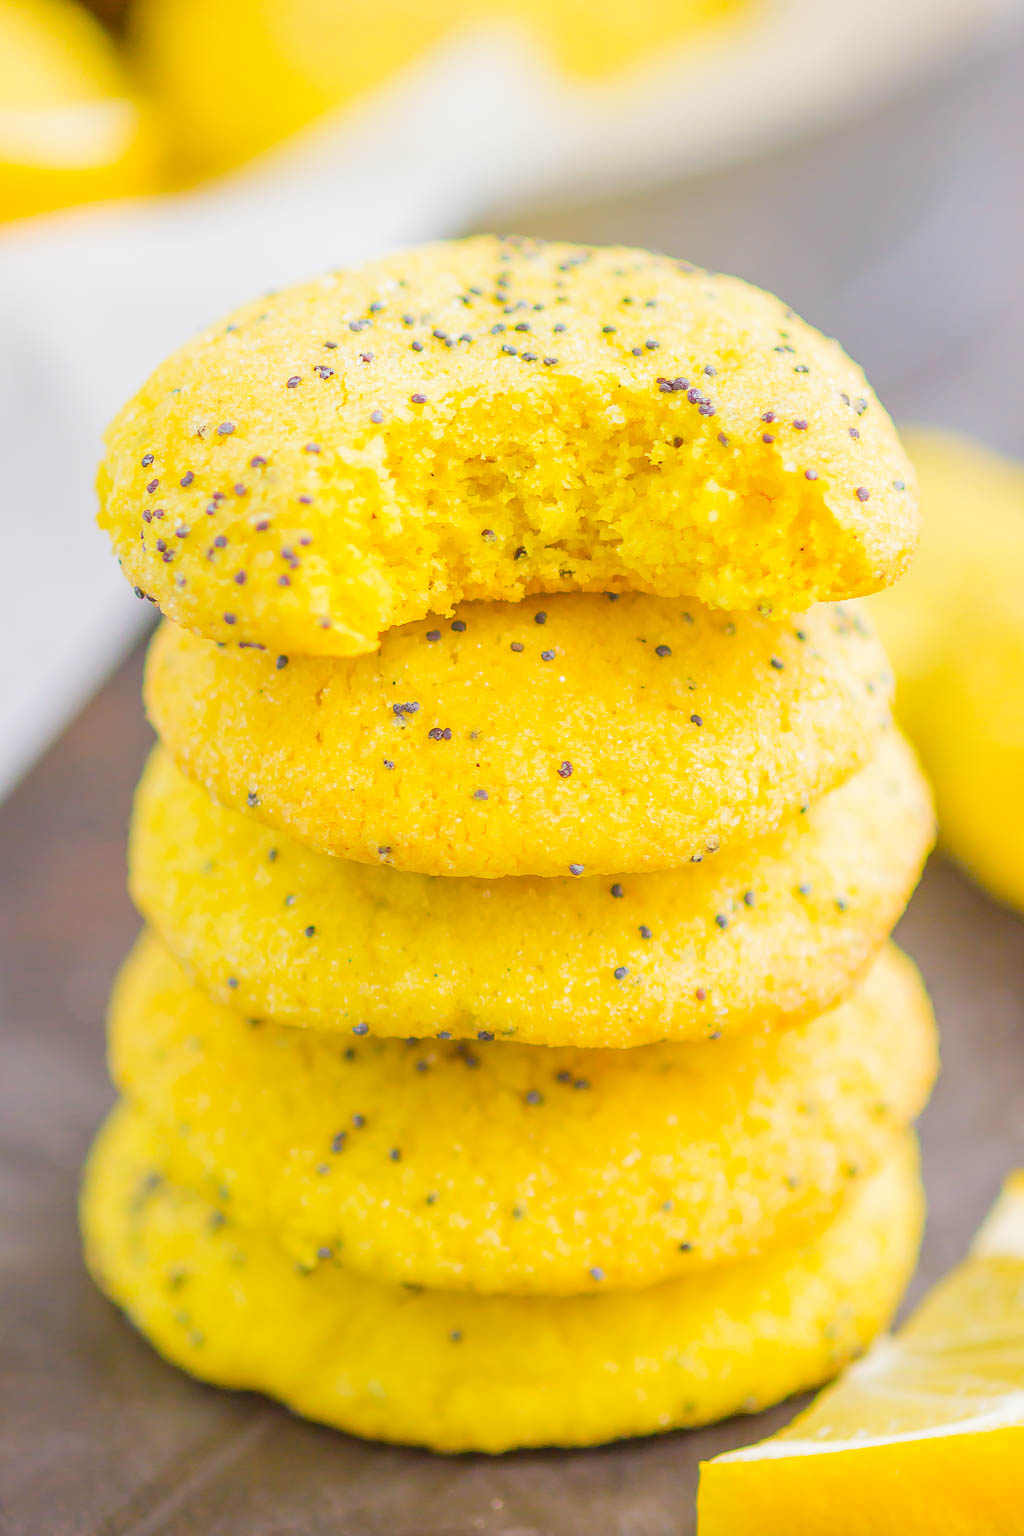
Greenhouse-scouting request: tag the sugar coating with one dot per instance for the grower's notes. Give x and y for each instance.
(457, 1372)
(579, 737)
(955, 627)
(514, 1169)
(491, 418)
(771, 933)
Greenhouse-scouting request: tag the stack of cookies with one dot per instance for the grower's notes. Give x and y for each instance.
(515, 1054)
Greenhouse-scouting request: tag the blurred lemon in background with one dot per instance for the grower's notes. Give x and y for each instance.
(237, 76)
(70, 129)
(954, 628)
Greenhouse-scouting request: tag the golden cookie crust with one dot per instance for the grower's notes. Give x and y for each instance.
(503, 1168)
(768, 934)
(581, 737)
(486, 419)
(459, 1372)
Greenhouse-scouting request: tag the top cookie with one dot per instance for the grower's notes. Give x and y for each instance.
(491, 418)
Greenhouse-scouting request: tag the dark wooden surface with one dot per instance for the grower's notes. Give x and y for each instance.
(100, 1438)
(904, 234)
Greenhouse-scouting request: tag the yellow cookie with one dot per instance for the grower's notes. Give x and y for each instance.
(460, 1373)
(955, 627)
(519, 1169)
(71, 131)
(491, 418)
(585, 736)
(238, 75)
(770, 933)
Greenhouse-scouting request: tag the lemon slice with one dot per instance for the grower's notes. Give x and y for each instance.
(70, 130)
(925, 1434)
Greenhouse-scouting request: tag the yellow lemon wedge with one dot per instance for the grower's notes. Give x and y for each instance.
(923, 1435)
(70, 129)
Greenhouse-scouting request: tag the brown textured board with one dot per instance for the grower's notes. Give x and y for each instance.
(100, 1438)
